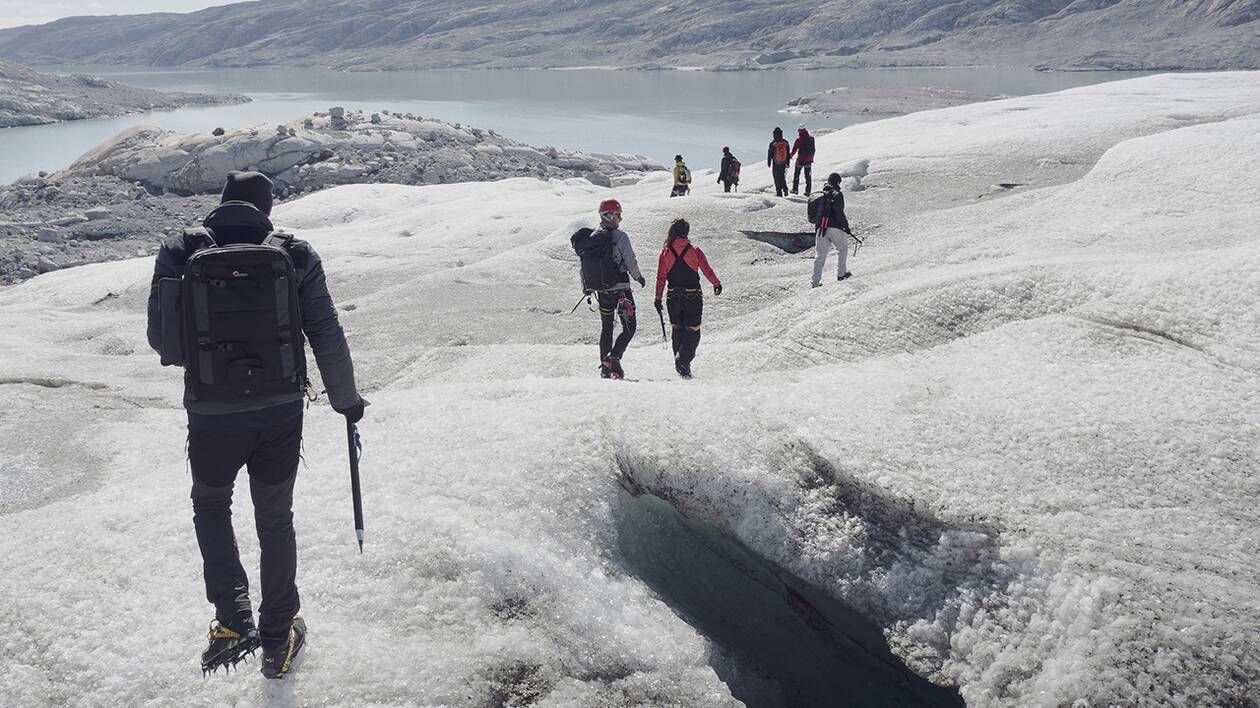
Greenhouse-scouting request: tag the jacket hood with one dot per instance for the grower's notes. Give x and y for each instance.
(778, 133)
(237, 218)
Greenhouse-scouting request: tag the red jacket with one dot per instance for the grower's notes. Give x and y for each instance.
(799, 147)
(694, 258)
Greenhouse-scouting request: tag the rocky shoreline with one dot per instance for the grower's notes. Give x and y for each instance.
(28, 97)
(122, 198)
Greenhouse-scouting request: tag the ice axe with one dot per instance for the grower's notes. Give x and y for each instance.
(356, 452)
(664, 337)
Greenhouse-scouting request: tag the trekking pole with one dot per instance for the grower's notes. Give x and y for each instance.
(356, 451)
(585, 296)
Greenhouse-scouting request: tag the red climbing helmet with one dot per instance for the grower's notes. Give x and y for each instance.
(609, 206)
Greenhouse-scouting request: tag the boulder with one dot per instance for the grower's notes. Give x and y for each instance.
(49, 236)
(597, 179)
(97, 214)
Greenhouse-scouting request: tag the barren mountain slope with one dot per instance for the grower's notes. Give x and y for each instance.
(392, 34)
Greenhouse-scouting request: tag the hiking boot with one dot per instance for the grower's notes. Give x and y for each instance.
(846, 276)
(614, 365)
(683, 370)
(605, 372)
(228, 646)
(278, 660)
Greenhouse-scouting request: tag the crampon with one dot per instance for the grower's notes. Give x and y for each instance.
(227, 648)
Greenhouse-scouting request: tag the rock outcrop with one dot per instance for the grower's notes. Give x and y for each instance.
(122, 198)
(340, 147)
(31, 98)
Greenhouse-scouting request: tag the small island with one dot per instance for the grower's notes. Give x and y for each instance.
(884, 102)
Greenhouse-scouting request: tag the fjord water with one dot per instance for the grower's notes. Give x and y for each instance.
(654, 113)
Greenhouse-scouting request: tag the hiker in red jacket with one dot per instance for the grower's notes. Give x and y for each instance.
(680, 266)
(803, 151)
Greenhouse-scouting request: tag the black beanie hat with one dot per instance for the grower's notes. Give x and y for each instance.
(833, 179)
(252, 187)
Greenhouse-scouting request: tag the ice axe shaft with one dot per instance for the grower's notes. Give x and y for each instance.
(356, 448)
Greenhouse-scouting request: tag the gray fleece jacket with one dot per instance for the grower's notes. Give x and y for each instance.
(623, 255)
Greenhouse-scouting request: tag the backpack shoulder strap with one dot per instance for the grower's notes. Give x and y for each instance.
(199, 238)
(278, 239)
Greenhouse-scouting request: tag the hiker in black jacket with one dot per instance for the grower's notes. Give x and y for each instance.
(778, 159)
(832, 231)
(728, 174)
(262, 433)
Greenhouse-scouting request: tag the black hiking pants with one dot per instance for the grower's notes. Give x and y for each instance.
(614, 305)
(780, 179)
(726, 185)
(686, 309)
(271, 456)
(808, 169)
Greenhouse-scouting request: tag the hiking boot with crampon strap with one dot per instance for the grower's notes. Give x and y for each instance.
(614, 368)
(228, 646)
(280, 658)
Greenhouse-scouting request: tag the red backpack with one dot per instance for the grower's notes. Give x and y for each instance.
(734, 169)
(780, 151)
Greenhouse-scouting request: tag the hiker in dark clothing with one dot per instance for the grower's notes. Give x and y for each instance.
(608, 264)
(778, 158)
(833, 231)
(728, 174)
(679, 267)
(803, 151)
(261, 432)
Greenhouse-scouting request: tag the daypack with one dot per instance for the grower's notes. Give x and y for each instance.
(807, 148)
(819, 206)
(599, 268)
(734, 175)
(781, 151)
(684, 175)
(236, 322)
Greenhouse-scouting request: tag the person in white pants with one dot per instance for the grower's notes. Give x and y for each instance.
(833, 230)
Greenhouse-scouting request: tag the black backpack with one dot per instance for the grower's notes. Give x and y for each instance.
(599, 268)
(819, 207)
(239, 319)
(807, 150)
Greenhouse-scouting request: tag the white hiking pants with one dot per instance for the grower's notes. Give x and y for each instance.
(823, 242)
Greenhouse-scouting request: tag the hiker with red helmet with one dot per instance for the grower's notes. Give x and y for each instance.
(778, 157)
(679, 267)
(728, 174)
(803, 151)
(608, 264)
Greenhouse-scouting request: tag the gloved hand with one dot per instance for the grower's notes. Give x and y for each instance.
(354, 413)
(659, 306)
(717, 289)
(642, 281)
(719, 180)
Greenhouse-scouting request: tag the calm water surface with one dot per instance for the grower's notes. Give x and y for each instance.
(657, 113)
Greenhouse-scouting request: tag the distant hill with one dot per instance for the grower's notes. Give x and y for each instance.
(729, 34)
(30, 98)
